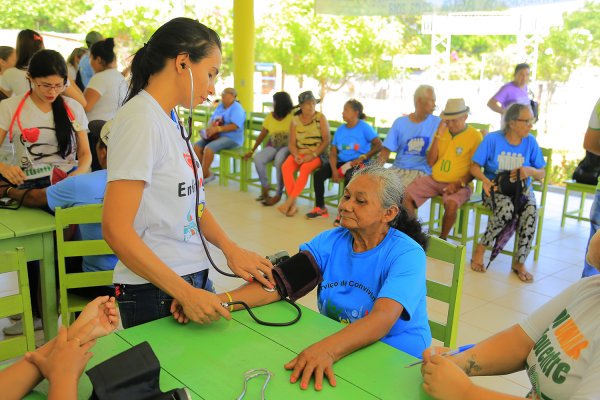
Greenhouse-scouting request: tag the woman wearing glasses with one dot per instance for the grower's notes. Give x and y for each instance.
(511, 149)
(15, 81)
(48, 131)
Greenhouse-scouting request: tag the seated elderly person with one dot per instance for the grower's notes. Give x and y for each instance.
(373, 277)
(515, 150)
(557, 345)
(411, 136)
(450, 158)
(225, 131)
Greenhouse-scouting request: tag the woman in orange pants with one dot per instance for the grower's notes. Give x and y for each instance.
(309, 138)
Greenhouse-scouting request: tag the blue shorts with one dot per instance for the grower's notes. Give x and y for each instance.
(218, 144)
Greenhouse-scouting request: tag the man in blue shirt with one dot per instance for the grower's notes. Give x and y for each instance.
(411, 136)
(225, 131)
(85, 68)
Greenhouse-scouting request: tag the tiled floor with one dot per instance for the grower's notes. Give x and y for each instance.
(490, 302)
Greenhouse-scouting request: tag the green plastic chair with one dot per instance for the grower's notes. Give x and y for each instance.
(584, 190)
(70, 302)
(14, 346)
(542, 188)
(451, 294)
(483, 128)
(232, 164)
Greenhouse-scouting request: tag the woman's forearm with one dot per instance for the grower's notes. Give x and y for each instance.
(477, 173)
(503, 353)
(18, 379)
(359, 334)
(252, 294)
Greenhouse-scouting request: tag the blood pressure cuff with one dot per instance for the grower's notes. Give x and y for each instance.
(132, 374)
(297, 276)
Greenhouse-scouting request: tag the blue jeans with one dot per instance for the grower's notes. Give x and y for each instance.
(139, 304)
(262, 158)
(588, 270)
(218, 144)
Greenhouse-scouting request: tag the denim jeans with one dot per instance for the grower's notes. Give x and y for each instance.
(139, 304)
(588, 270)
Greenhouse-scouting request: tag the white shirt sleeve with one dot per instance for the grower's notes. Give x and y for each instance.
(536, 323)
(98, 84)
(78, 113)
(134, 148)
(595, 117)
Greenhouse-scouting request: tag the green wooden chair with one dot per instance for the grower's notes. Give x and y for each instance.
(483, 128)
(540, 187)
(584, 190)
(451, 293)
(11, 347)
(70, 302)
(232, 164)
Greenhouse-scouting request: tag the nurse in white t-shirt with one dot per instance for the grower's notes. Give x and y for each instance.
(107, 89)
(150, 203)
(47, 131)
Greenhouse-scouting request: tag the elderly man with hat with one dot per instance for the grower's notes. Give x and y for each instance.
(450, 158)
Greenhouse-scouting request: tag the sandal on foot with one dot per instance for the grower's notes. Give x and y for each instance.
(477, 267)
(524, 276)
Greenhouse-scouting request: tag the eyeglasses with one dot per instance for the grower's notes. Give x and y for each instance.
(527, 121)
(48, 87)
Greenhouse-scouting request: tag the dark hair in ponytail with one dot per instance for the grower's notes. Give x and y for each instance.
(28, 43)
(358, 107)
(179, 35)
(105, 49)
(391, 192)
(47, 63)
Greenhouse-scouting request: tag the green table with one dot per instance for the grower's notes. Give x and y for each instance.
(33, 230)
(211, 360)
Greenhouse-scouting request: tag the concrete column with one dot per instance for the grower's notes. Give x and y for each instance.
(243, 52)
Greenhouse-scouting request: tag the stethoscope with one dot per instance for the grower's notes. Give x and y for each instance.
(186, 136)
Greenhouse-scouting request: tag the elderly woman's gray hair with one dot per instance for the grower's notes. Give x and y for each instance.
(391, 189)
(391, 193)
(512, 114)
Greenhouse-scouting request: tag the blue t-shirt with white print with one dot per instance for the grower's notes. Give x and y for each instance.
(411, 141)
(352, 142)
(495, 154)
(352, 282)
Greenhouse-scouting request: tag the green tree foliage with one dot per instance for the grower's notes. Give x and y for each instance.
(570, 46)
(329, 48)
(43, 15)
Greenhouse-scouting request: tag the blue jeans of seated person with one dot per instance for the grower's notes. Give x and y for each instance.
(263, 157)
(588, 270)
(218, 144)
(139, 304)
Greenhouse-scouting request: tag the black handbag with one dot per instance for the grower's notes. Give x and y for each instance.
(508, 187)
(588, 169)
(132, 374)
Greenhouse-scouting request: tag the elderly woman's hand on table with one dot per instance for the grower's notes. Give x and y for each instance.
(315, 360)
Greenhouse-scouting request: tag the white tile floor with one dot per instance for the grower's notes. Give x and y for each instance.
(490, 301)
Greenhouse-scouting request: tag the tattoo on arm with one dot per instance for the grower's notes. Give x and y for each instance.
(471, 367)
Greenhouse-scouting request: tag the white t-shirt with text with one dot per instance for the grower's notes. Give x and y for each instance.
(146, 145)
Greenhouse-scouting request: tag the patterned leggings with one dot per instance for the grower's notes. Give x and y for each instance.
(502, 215)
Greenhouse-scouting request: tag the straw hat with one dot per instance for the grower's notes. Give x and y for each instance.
(454, 108)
